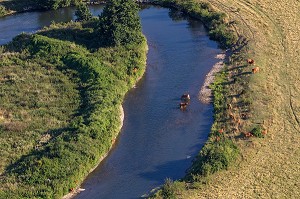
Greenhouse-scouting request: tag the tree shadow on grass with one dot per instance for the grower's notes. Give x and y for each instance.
(84, 37)
(242, 74)
(237, 68)
(31, 160)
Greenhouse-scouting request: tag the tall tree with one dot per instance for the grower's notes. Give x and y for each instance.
(120, 23)
(82, 12)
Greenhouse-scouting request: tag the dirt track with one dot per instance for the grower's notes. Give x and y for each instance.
(270, 166)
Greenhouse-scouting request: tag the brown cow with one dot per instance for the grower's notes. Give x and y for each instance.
(249, 134)
(229, 106)
(185, 98)
(250, 61)
(183, 105)
(231, 115)
(255, 70)
(135, 69)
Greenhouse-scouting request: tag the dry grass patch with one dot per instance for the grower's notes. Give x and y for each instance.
(270, 167)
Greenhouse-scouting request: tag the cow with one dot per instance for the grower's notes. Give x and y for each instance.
(183, 105)
(185, 98)
(249, 134)
(135, 69)
(250, 61)
(229, 106)
(255, 70)
(264, 132)
(231, 115)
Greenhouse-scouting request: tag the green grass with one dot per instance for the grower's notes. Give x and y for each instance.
(68, 97)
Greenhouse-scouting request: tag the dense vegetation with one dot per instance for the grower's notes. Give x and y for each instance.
(3, 11)
(10, 6)
(68, 105)
(119, 26)
(82, 12)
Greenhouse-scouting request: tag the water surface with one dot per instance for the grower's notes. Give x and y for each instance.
(157, 141)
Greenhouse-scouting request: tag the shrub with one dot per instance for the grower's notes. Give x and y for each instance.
(120, 23)
(215, 156)
(82, 12)
(3, 11)
(257, 132)
(168, 191)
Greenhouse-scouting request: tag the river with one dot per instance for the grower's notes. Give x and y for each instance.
(157, 141)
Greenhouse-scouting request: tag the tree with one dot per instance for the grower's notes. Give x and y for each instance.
(120, 23)
(82, 12)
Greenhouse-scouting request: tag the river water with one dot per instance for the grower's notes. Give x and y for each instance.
(157, 141)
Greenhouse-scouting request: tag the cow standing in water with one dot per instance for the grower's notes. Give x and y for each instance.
(185, 100)
(183, 105)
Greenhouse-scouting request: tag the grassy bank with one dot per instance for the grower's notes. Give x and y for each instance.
(269, 167)
(61, 106)
(8, 7)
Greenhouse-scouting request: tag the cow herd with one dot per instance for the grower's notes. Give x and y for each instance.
(251, 62)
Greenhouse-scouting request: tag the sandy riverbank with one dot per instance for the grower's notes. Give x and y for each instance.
(205, 94)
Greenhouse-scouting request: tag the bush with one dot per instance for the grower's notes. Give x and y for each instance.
(120, 23)
(168, 191)
(82, 12)
(257, 132)
(3, 11)
(214, 157)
